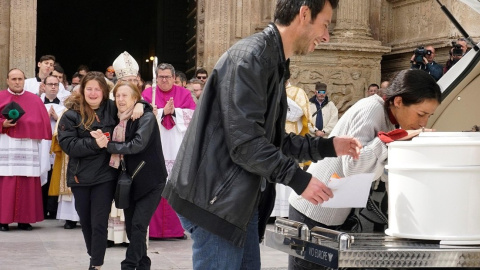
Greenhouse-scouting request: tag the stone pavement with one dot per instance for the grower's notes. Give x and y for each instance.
(49, 247)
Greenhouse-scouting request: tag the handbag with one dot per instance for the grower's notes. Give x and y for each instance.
(124, 183)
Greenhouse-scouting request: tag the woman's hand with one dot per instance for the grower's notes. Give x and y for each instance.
(414, 133)
(137, 111)
(100, 138)
(97, 133)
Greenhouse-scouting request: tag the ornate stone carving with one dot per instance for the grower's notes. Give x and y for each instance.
(200, 33)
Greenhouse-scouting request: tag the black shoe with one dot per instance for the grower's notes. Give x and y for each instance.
(51, 215)
(4, 227)
(25, 226)
(184, 237)
(110, 243)
(70, 225)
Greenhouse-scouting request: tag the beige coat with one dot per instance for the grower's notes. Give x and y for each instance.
(330, 118)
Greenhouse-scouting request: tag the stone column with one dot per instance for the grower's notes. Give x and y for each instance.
(226, 22)
(348, 63)
(218, 30)
(23, 35)
(352, 20)
(4, 41)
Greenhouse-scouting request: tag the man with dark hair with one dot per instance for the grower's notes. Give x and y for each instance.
(236, 148)
(458, 50)
(197, 87)
(372, 89)
(45, 68)
(324, 112)
(201, 74)
(110, 74)
(54, 107)
(180, 79)
(76, 78)
(58, 72)
(175, 109)
(83, 70)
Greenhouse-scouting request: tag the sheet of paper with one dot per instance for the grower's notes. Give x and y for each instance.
(350, 192)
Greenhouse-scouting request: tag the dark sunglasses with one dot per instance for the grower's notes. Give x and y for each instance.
(321, 91)
(201, 77)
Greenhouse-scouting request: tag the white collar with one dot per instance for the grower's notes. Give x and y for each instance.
(15, 94)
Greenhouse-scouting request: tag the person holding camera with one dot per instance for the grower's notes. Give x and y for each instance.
(423, 59)
(458, 50)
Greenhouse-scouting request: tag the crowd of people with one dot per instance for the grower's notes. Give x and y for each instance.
(227, 144)
(72, 137)
(424, 58)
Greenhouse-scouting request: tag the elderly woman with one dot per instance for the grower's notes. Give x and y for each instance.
(92, 181)
(136, 142)
(410, 100)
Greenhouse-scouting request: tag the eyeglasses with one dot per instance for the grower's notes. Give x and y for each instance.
(164, 77)
(111, 70)
(321, 92)
(52, 84)
(201, 77)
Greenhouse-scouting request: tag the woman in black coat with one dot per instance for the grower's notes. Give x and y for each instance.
(136, 141)
(92, 181)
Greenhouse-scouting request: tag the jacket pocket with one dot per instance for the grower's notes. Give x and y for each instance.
(223, 187)
(73, 166)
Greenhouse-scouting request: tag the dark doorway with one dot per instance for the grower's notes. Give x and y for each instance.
(94, 33)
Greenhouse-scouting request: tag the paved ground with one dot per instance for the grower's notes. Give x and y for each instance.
(50, 247)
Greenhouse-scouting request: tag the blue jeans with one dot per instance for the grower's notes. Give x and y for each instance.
(211, 251)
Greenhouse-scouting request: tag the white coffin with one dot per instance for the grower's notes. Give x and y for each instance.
(434, 189)
(436, 149)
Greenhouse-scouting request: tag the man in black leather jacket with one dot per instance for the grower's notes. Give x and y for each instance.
(236, 142)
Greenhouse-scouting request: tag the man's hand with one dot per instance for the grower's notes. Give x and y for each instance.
(8, 123)
(155, 110)
(169, 107)
(41, 89)
(319, 133)
(317, 192)
(346, 145)
(53, 114)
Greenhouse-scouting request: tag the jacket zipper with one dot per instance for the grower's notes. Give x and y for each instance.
(224, 186)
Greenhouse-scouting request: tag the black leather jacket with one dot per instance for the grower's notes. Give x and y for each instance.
(142, 143)
(88, 163)
(237, 140)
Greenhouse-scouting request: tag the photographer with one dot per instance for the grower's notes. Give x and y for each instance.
(458, 50)
(423, 59)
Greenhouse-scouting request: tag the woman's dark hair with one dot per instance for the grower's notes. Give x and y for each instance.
(287, 10)
(414, 86)
(76, 101)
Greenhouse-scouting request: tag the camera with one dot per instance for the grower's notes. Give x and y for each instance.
(420, 52)
(457, 49)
